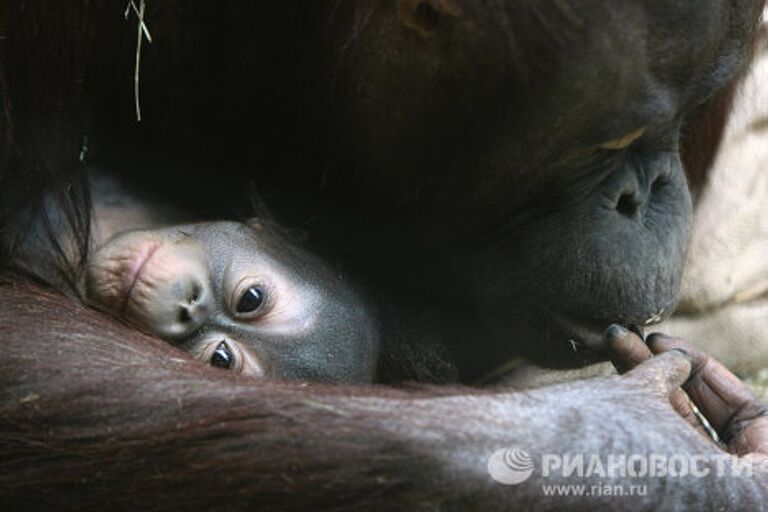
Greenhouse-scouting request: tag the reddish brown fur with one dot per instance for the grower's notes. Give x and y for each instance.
(94, 416)
(703, 132)
(701, 138)
(138, 424)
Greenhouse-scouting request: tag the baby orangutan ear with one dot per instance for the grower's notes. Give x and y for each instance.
(426, 16)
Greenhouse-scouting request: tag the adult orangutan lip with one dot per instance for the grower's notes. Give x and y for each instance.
(582, 332)
(135, 269)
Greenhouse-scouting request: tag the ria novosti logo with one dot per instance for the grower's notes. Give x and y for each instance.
(510, 466)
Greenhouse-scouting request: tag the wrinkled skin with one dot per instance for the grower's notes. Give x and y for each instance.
(740, 420)
(239, 297)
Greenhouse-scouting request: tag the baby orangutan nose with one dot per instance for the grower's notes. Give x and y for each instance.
(171, 294)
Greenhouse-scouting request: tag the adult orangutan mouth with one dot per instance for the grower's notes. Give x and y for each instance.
(579, 333)
(135, 269)
(583, 333)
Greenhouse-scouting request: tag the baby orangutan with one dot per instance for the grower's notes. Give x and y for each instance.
(237, 296)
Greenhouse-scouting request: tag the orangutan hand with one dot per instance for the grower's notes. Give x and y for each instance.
(731, 408)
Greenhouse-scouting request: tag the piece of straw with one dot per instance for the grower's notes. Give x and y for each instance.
(142, 33)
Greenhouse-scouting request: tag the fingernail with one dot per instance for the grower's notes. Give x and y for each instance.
(654, 337)
(615, 331)
(684, 352)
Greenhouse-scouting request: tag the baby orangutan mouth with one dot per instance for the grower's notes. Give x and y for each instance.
(134, 271)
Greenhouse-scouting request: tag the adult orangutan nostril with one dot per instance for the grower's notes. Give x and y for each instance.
(627, 205)
(658, 184)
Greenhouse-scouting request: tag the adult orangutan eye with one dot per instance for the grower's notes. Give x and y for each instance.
(251, 300)
(426, 16)
(222, 356)
(622, 142)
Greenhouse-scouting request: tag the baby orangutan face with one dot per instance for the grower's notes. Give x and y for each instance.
(238, 297)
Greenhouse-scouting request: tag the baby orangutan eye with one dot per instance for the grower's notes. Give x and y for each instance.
(251, 300)
(222, 356)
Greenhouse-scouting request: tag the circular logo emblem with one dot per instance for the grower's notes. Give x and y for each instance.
(510, 466)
